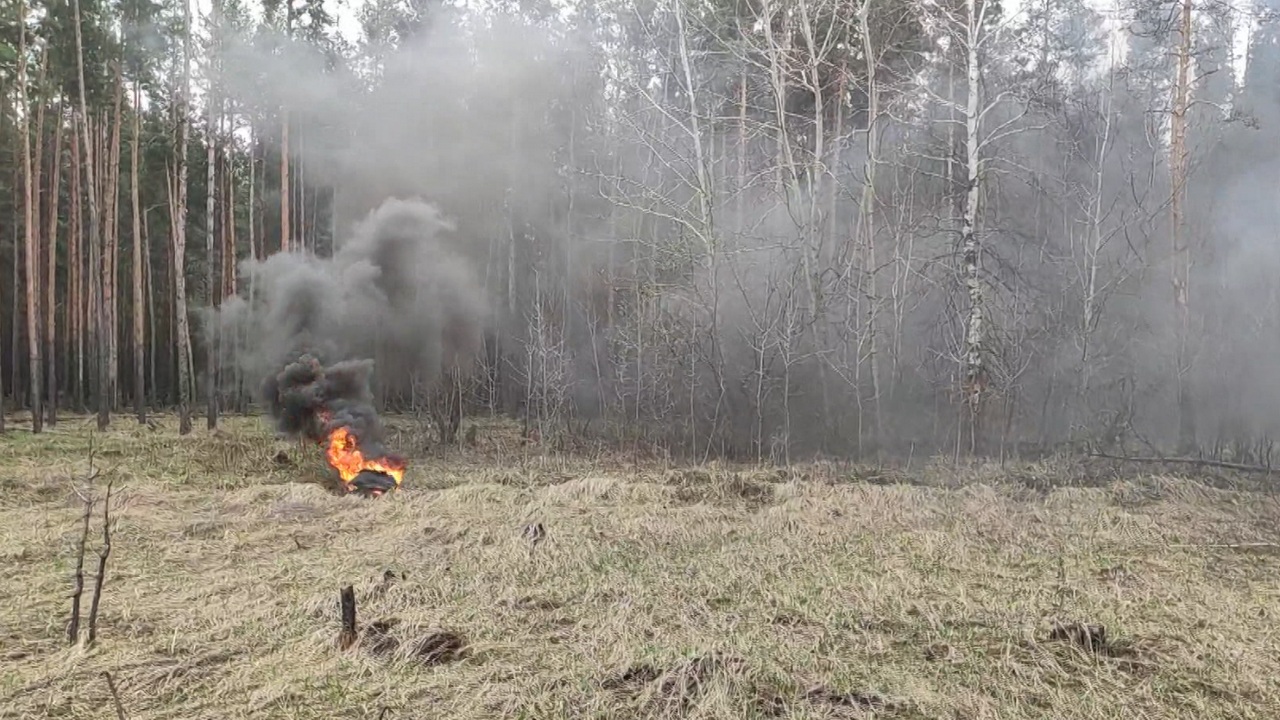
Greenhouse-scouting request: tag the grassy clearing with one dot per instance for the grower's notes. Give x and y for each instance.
(815, 592)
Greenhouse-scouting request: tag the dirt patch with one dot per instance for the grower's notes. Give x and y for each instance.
(1092, 638)
(632, 679)
(1136, 656)
(438, 647)
(377, 639)
(791, 620)
(678, 691)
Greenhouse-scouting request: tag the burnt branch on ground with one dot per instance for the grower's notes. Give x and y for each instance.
(115, 696)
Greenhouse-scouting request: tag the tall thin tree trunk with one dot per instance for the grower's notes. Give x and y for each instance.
(179, 216)
(229, 250)
(228, 227)
(226, 232)
(149, 281)
(30, 229)
(93, 277)
(111, 256)
(51, 278)
(38, 188)
(139, 309)
(1181, 251)
(975, 374)
(210, 196)
(741, 185)
(15, 300)
(75, 278)
(298, 212)
(3, 115)
(104, 400)
(253, 201)
(285, 245)
(15, 314)
(869, 218)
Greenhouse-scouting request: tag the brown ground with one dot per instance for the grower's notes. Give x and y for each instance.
(700, 593)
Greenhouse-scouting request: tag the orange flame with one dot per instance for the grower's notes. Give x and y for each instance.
(345, 456)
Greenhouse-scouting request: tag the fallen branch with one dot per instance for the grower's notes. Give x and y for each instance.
(115, 696)
(1198, 462)
(103, 553)
(1227, 546)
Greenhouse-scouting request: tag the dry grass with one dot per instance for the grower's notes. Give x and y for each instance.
(654, 593)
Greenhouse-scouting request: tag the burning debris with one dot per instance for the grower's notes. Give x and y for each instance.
(333, 406)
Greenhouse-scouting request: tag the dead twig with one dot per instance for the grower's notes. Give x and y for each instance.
(115, 696)
(1228, 546)
(73, 627)
(1197, 462)
(103, 553)
(535, 533)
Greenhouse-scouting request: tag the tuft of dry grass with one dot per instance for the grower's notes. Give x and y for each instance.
(716, 592)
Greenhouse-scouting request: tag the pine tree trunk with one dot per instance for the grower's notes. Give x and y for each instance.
(179, 215)
(210, 196)
(228, 256)
(111, 258)
(139, 309)
(30, 234)
(253, 201)
(149, 281)
(285, 244)
(51, 278)
(15, 300)
(3, 130)
(104, 411)
(93, 276)
(75, 278)
(228, 226)
(298, 213)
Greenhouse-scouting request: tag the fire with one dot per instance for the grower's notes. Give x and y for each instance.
(343, 453)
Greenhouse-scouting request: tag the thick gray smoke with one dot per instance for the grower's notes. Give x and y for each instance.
(308, 400)
(305, 328)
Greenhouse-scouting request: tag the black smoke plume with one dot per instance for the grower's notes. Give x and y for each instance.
(305, 329)
(309, 400)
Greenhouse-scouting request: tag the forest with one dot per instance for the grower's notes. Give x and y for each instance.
(757, 229)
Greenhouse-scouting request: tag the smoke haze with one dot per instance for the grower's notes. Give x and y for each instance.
(648, 244)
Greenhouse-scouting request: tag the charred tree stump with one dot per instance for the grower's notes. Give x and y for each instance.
(347, 637)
